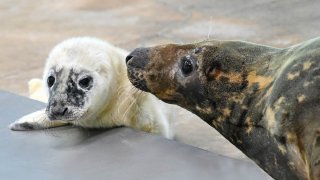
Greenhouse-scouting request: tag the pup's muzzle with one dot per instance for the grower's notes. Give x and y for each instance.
(57, 112)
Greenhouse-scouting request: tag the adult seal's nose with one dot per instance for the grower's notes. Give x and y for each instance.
(138, 58)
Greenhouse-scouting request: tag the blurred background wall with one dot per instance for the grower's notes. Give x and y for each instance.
(29, 29)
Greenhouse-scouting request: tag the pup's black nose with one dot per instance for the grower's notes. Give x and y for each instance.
(138, 58)
(58, 112)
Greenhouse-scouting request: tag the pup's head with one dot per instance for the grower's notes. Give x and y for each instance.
(194, 76)
(78, 73)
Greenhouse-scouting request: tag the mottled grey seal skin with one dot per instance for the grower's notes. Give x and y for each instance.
(264, 100)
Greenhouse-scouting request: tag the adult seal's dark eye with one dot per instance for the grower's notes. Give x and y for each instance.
(50, 81)
(187, 66)
(85, 82)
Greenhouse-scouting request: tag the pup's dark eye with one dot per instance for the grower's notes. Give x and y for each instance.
(85, 82)
(187, 66)
(50, 81)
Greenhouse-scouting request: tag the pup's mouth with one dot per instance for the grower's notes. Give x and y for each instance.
(64, 115)
(61, 118)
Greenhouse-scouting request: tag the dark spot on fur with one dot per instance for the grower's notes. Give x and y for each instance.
(243, 116)
(57, 75)
(315, 72)
(282, 139)
(75, 94)
(317, 141)
(224, 79)
(27, 126)
(214, 104)
(255, 86)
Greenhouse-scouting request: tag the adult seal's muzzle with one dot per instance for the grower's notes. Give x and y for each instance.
(136, 62)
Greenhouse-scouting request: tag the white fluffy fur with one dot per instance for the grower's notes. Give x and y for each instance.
(112, 101)
(36, 90)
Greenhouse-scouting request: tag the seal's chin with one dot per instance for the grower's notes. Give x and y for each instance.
(170, 101)
(141, 85)
(137, 80)
(69, 117)
(61, 118)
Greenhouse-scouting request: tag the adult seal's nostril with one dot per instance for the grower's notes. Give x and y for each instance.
(128, 58)
(138, 58)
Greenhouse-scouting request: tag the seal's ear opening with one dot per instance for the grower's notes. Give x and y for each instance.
(213, 72)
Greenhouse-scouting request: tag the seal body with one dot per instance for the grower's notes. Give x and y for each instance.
(87, 86)
(264, 100)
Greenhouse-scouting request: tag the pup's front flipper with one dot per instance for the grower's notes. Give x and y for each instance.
(33, 121)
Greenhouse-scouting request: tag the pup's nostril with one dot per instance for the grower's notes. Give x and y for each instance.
(64, 111)
(128, 58)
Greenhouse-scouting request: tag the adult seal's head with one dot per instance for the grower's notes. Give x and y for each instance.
(264, 100)
(185, 74)
(77, 77)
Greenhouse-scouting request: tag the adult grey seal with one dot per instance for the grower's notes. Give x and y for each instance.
(264, 100)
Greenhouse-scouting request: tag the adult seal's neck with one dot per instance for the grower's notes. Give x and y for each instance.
(239, 115)
(258, 71)
(240, 100)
